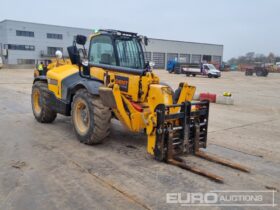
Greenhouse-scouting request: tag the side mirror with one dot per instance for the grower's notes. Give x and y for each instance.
(81, 39)
(74, 54)
(146, 40)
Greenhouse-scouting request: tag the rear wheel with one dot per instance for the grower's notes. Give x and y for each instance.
(248, 72)
(91, 119)
(177, 70)
(40, 108)
(194, 75)
(261, 72)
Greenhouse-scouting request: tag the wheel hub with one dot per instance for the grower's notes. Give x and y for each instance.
(37, 101)
(84, 115)
(81, 116)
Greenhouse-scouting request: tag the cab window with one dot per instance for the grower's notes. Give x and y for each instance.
(130, 53)
(102, 51)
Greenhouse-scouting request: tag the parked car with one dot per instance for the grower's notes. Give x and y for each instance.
(193, 69)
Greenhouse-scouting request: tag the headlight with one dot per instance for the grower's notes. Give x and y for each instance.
(151, 63)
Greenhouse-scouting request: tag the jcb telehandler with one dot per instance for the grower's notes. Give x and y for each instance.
(112, 80)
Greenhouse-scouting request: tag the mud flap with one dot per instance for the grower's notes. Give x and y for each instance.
(107, 97)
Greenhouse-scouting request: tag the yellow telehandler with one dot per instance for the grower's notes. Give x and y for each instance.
(113, 80)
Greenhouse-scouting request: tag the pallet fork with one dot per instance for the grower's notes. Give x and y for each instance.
(185, 133)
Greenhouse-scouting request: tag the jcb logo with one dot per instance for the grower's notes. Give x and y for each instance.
(122, 82)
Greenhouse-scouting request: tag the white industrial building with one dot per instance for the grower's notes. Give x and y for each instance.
(25, 43)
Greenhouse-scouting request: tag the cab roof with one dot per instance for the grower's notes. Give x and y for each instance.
(114, 33)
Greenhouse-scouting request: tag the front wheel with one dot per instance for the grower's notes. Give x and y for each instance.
(209, 75)
(91, 119)
(41, 111)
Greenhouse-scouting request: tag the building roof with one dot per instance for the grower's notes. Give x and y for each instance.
(8, 20)
(168, 40)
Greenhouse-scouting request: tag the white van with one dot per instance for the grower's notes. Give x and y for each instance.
(1, 62)
(205, 70)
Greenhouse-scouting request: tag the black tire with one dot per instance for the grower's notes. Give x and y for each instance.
(209, 75)
(41, 111)
(248, 72)
(97, 117)
(187, 75)
(194, 75)
(265, 73)
(177, 70)
(259, 73)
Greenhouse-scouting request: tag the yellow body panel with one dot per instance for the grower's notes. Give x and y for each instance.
(145, 91)
(152, 95)
(58, 74)
(133, 80)
(159, 94)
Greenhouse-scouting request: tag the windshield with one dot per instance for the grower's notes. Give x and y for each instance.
(130, 53)
(211, 66)
(102, 51)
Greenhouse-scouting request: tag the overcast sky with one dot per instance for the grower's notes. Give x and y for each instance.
(240, 25)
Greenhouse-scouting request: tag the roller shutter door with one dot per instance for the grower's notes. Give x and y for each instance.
(159, 59)
(196, 59)
(172, 56)
(185, 58)
(217, 59)
(148, 56)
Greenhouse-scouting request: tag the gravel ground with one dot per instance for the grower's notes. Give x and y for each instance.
(43, 166)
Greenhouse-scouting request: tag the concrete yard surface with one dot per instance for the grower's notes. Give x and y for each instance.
(44, 166)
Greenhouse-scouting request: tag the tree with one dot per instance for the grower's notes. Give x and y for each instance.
(252, 58)
(260, 58)
(271, 58)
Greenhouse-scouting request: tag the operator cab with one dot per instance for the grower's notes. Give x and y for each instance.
(110, 49)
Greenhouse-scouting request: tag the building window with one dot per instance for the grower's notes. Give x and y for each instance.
(20, 47)
(52, 50)
(25, 33)
(26, 61)
(54, 36)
